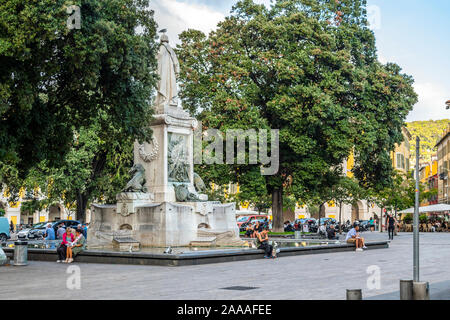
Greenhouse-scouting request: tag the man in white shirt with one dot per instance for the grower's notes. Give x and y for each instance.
(353, 236)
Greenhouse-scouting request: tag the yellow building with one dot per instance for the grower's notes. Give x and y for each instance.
(429, 177)
(443, 157)
(400, 156)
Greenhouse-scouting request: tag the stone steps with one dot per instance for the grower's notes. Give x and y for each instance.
(203, 242)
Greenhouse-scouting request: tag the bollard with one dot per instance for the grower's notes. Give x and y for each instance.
(297, 234)
(406, 289)
(421, 291)
(20, 253)
(355, 294)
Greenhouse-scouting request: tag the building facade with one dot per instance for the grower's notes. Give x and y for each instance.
(14, 211)
(443, 158)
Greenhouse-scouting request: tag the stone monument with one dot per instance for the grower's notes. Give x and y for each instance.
(162, 205)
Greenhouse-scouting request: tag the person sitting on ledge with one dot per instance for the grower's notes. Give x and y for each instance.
(353, 236)
(249, 231)
(331, 233)
(77, 246)
(262, 242)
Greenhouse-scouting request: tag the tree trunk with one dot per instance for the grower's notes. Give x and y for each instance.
(82, 200)
(277, 210)
(340, 217)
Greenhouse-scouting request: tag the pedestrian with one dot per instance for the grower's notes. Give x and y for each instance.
(68, 237)
(371, 224)
(85, 230)
(60, 232)
(77, 246)
(11, 226)
(49, 235)
(391, 226)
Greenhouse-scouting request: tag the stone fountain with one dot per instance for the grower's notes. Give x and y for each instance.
(162, 205)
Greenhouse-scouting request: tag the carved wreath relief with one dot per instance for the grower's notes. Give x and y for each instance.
(149, 156)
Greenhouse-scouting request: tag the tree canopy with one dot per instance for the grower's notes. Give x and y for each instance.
(56, 80)
(73, 100)
(309, 69)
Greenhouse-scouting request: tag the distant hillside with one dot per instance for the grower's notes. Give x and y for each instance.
(429, 132)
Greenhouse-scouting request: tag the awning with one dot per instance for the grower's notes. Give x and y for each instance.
(442, 207)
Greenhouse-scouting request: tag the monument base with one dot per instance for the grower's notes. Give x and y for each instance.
(166, 224)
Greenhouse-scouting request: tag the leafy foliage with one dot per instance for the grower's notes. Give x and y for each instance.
(57, 81)
(429, 133)
(309, 69)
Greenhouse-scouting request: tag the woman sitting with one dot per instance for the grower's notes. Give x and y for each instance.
(262, 242)
(67, 237)
(76, 246)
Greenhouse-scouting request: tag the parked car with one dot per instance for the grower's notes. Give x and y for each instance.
(23, 234)
(252, 221)
(37, 232)
(364, 225)
(4, 229)
(249, 219)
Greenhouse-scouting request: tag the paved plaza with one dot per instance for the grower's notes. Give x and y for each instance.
(319, 276)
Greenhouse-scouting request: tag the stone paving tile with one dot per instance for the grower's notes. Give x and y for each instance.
(320, 276)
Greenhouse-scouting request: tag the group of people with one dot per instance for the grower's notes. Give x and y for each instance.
(73, 241)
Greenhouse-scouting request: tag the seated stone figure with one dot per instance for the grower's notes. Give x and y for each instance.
(183, 194)
(137, 182)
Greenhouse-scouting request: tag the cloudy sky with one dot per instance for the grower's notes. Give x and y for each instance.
(412, 33)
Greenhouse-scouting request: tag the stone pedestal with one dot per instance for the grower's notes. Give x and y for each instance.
(127, 202)
(167, 224)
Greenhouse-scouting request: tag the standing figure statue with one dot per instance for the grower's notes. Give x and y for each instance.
(168, 69)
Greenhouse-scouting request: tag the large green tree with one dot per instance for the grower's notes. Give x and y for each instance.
(310, 69)
(56, 80)
(95, 168)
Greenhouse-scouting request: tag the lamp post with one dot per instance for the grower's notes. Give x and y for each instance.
(416, 218)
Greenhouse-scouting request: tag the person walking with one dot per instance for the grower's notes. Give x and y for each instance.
(11, 227)
(391, 226)
(371, 224)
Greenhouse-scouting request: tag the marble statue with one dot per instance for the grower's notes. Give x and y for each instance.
(168, 69)
(183, 194)
(137, 182)
(199, 184)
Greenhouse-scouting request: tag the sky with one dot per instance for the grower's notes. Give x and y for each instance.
(415, 34)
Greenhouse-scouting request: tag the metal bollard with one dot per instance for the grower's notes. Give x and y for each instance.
(355, 294)
(20, 253)
(406, 289)
(421, 291)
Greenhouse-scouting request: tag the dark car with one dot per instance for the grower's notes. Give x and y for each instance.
(245, 224)
(38, 230)
(364, 225)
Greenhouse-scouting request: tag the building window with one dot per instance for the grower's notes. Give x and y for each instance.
(400, 161)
